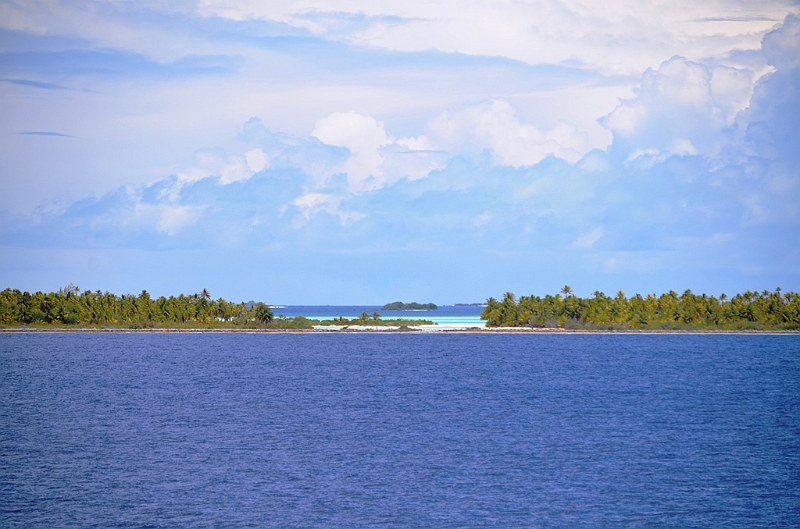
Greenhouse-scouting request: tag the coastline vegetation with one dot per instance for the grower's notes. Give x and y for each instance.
(72, 308)
(69, 307)
(688, 311)
(399, 305)
(373, 320)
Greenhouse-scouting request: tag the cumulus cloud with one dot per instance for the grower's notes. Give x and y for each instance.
(682, 108)
(400, 162)
(702, 148)
(375, 159)
(311, 204)
(362, 135)
(678, 85)
(420, 143)
(216, 163)
(780, 46)
(647, 158)
(351, 161)
(173, 219)
(256, 159)
(494, 126)
(731, 89)
(775, 106)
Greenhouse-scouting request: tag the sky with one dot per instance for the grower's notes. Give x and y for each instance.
(361, 152)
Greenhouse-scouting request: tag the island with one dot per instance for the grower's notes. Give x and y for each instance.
(750, 311)
(72, 309)
(399, 305)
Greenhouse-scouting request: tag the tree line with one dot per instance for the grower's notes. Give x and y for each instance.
(70, 306)
(399, 305)
(751, 310)
(374, 320)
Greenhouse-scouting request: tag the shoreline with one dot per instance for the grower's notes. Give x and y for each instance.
(416, 330)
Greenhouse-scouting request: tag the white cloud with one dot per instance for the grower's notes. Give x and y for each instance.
(619, 37)
(376, 160)
(683, 148)
(173, 219)
(647, 158)
(494, 125)
(215, 163)
(650, 156)
(587, 240)
(362, 135)
(781, 46)
(678, 84)
(235, 170)
(312, 203)
(626, 118)
(400, 163)
(682, 108)
(689, 106)
(420, 143)
(257, 160)
(732, 89)
(148, 114)
(357, 132)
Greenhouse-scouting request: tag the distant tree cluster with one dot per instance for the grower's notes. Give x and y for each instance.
(70, 306)
(374, 320)
(751, 310)
(399, 305)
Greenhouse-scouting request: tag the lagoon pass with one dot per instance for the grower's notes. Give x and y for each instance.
(445, 316)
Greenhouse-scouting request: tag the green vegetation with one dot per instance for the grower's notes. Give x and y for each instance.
(688, 311)
(399, 305)
(373, 320)
(290, 324)
(69, 306)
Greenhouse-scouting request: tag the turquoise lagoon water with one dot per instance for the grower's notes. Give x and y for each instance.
(444, 315)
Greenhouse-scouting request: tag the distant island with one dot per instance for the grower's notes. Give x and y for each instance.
(399, 305)
(483, 304)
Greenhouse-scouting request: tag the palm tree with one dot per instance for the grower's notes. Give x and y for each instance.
(263, 313)
(567, 290)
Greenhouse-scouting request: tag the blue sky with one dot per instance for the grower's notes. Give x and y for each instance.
(338, 152)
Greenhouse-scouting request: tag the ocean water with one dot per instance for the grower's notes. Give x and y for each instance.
(443, 315)
(308, 430)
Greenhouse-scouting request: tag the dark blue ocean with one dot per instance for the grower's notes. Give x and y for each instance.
(399, 430)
